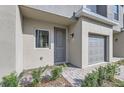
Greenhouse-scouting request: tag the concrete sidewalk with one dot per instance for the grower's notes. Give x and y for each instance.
(121, 74)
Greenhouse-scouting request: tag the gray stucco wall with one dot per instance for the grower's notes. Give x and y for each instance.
(92, 27)
(7, 39)
(31, 54)
(75, 44)
(118, 44)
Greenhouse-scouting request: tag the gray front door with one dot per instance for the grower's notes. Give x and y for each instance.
(96, 46)
(59, 45)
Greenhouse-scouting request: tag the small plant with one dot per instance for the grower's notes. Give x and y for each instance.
(56, 73)
(36, 76)
(120, 62)
(65, 65)
(102, 74)
(91, 80)
(110, 71)
(10, 80)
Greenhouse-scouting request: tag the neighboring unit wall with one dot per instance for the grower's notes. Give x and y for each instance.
(94, 27)
(32, 55)
(111, 16)
(75, 44)
(118, 44)
(63, 10)
(7, 39)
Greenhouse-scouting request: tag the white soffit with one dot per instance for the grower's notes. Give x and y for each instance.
(45, 16)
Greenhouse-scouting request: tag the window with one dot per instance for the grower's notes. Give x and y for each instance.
(42, 39)
(115, 11)
(91, 7)
(98, 9)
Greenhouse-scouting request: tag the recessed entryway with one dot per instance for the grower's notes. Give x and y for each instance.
(97, 46)
(59, 45)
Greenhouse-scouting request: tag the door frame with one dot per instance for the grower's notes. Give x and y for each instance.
(66, 47)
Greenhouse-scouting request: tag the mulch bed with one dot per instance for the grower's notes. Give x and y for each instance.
(113, 83)
(108, 84)
(60, 82)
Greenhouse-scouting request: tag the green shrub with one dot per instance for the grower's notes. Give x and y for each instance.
(97, 77)
(65, 65)
(36, 76)
(91, 80)
(102, 74)
(56, 73)
(110, 71)
(10, 80)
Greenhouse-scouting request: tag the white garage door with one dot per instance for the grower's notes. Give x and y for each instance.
(96, 45)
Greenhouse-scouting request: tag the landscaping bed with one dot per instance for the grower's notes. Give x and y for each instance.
(48, 76)
(51, 76)
(104, 76)
(60, 82)
(120, 62)
(113, 83)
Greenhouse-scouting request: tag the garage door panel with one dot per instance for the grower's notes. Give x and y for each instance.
(96, 45)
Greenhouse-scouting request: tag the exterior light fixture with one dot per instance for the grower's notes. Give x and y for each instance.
(72, 35)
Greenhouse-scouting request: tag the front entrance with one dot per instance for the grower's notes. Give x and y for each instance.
(59, 45)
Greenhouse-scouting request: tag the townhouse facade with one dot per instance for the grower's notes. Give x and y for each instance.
(37, 35)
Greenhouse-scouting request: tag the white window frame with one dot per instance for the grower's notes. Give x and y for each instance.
(35, 39)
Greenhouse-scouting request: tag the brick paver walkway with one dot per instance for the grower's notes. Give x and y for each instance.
(73, 75)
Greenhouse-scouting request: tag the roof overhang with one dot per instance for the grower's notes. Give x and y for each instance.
(45, 16)
(94, 16)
